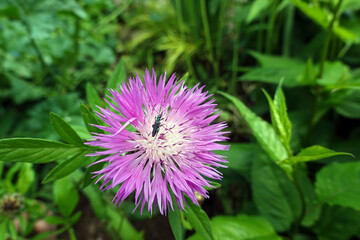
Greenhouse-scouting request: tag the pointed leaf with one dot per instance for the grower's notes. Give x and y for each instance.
(199, 220)
(280, 105)
(241, 227)
(66, 167)
(214, 185)
(89, 118)
(274, 194)
(66, 196)
(35, 150)
(323, 17)
(118, 76)
(275, 117)
(92, 97)
(185, 77)
(65, 131)
(312, 208)
(96, 201)
(26, 178)
(88, 176)
(339, 184)
(262, 130)
(337, 223)
(175, 220)
(116, 219)
(256, 8)
(75, 217)
(56, 220)
(313, 153)
(274, 68)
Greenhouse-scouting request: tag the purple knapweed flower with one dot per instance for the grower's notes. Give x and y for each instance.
(170, 148)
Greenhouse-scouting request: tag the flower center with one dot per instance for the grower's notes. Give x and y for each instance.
(162, 137)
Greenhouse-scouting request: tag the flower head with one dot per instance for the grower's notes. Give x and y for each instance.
(170, 148)
(10, 203)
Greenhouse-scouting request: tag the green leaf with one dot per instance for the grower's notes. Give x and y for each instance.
(314, 12)
(10, 173)
(82, 131)
(214, 186)
(323, 17)
(184, 77)
(175, 220)
(74, 8)
(353, 85)
(75, 217)
(337, 223)
(279, 118)
(262, 130)
(309, 75)
(64, 130)
(266, 60)
(94, 195)
(26, 178)
(33, 92)
(56, 220)
(116, 219)
(256, 8)
(274, 194)
(90, 118)
(312, 208)
(334, 73)
(339, 184)
(280, 105)
(88, 177)
(199, 220)
(92, 97)
(65, 195)
(118, 76)
(274, 68)
(240, 157)
(12, 230)
(66, 167)
(3, 230)
(241, 227)
(35, 150)
(11, 12)
(313, 153)
(1, 169)
(349, 104)
(275, 117)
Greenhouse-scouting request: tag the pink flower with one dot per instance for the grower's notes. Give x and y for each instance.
(171, 147)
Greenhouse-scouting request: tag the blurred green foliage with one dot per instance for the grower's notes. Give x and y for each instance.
(56, 54)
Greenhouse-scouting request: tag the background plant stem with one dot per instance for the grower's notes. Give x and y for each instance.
(208, 39)
(329, 31)
(289, 22)
(270, 29)
(232, 85)
(182, 33)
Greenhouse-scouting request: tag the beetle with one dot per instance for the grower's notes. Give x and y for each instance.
(156, 125)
